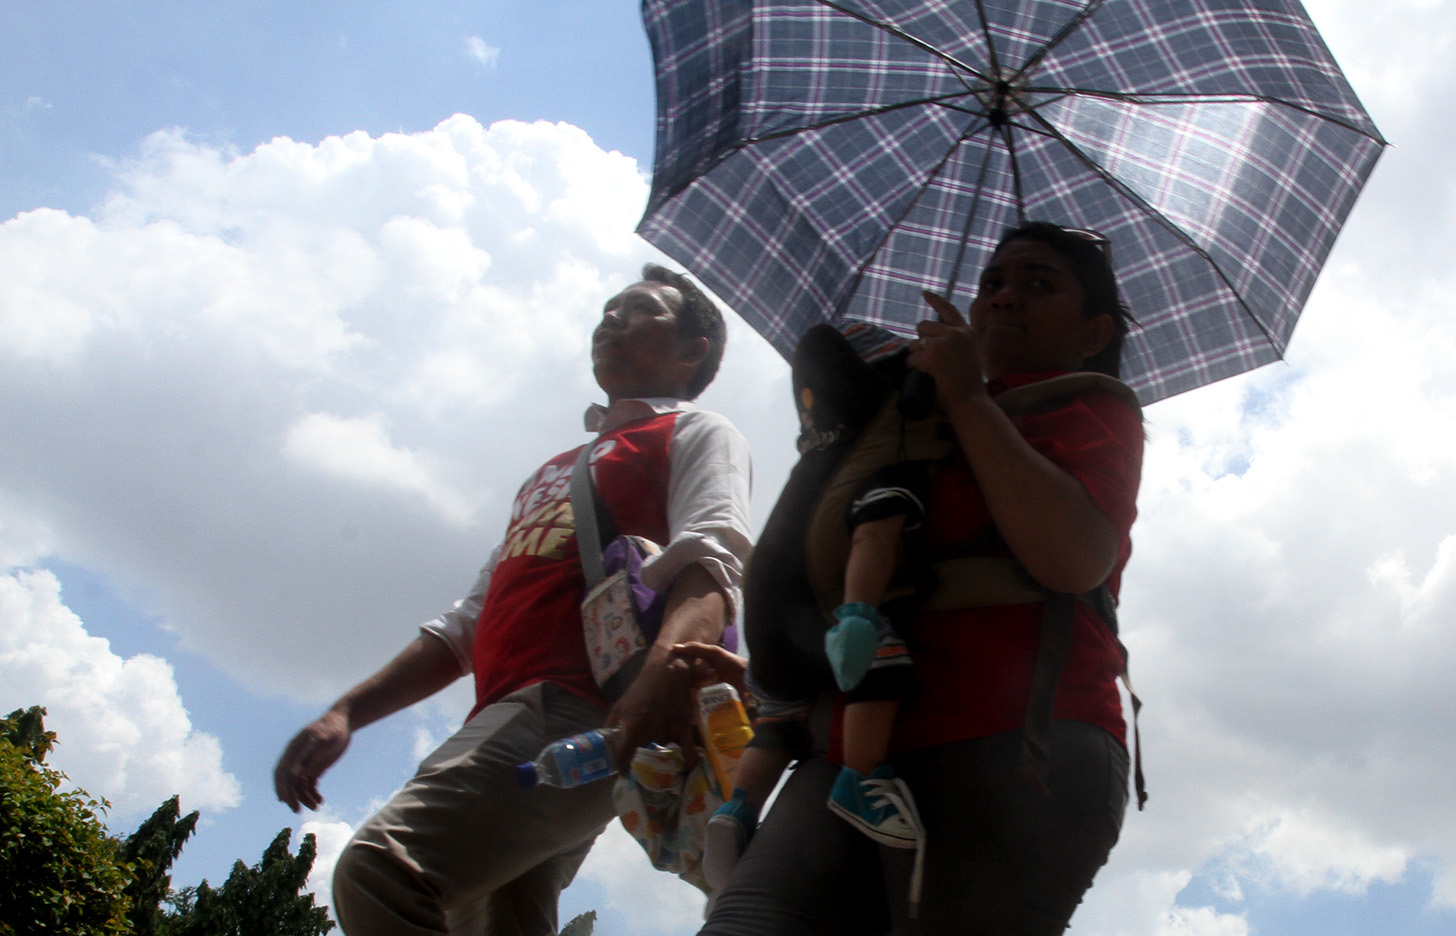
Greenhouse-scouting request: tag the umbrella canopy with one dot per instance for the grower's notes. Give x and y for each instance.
(821, 161)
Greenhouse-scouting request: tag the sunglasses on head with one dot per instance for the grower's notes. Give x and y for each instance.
(1095, 238)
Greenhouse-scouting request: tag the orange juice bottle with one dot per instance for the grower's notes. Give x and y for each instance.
(725, 730)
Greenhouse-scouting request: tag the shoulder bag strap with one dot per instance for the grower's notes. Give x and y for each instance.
(584, 516)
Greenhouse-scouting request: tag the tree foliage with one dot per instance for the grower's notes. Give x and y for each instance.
(150, 851)
(581, 925)
(262, 899)
(63, 874)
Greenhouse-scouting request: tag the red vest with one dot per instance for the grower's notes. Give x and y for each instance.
(530, 626)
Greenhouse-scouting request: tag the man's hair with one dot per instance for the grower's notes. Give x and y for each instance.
(1088, 259)
(698, 318)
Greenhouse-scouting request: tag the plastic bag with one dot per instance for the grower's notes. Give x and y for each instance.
(666, 809)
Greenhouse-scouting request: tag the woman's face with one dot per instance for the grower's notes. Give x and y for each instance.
(1027, 315)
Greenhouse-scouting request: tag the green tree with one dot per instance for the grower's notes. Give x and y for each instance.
(262, 899)
(581, 925)
(62, 873)
(150, 851)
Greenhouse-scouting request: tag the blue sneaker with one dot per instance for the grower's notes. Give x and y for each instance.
(725, 837)
(879, 805)
(851, 644)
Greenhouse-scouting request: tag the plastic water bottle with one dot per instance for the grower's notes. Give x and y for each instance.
(571, 761)
(725, 730)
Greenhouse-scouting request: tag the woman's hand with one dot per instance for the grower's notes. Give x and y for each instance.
(712, 663)
(947, 350)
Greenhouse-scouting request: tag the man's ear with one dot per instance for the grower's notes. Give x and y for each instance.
(1096, 332)
(694, 350)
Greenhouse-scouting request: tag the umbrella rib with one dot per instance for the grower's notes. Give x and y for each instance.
(955, 270)
(937, 100)
(1015, 173)
(986, 34)
(920, 44)
(1170, 98)
(1072, 26)
(1158, 216)
(910, 206)
(967, 134)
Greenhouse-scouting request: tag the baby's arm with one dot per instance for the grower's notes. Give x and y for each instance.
(872, 559)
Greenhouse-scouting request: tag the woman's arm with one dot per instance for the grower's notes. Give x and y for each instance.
(1046, 517)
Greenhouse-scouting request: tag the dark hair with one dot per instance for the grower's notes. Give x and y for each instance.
(1086, 253)
(698, 318)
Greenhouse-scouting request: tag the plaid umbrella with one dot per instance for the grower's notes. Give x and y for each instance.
(821, 161)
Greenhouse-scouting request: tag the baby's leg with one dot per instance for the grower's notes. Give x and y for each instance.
(758, 772)
(852, 642)
(730, 828)
(866, 733)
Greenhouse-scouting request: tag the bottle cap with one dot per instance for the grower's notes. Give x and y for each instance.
(526, 775)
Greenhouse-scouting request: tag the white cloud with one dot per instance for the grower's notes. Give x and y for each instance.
(360, 450)
(477, 49)
(620, 867)
(1310, 853)
(122, 732)
(1201, 921)
(330, 837)
(320, 367)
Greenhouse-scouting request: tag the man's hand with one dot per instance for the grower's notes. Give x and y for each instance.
(425, 666)
(312, 751)
(656, 708)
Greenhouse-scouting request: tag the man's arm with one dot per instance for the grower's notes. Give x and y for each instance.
(421, 669)
(709, 542)
(436, 658)
(658, 706)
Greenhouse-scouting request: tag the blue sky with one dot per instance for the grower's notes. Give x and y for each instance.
(88, 80)
(279, 336)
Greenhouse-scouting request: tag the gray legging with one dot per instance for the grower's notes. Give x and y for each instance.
(1002, 859)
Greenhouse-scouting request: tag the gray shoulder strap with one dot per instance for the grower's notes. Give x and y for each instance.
(584, 517)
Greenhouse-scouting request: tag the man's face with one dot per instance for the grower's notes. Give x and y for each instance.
(1028, 313)
(636, 350)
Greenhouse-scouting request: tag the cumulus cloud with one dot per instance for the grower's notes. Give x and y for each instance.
(122, 732)
(1201, 921)
(288, 393)
(330, 837)
(359, 450)
(620, 867)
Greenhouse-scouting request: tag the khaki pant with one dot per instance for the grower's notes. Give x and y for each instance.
(460, 849)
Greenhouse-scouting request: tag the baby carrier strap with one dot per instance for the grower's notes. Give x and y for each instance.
(1059, 609)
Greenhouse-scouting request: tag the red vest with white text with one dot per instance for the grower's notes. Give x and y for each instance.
(530, 626)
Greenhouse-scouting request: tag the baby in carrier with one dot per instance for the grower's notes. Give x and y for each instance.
(874, 449)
